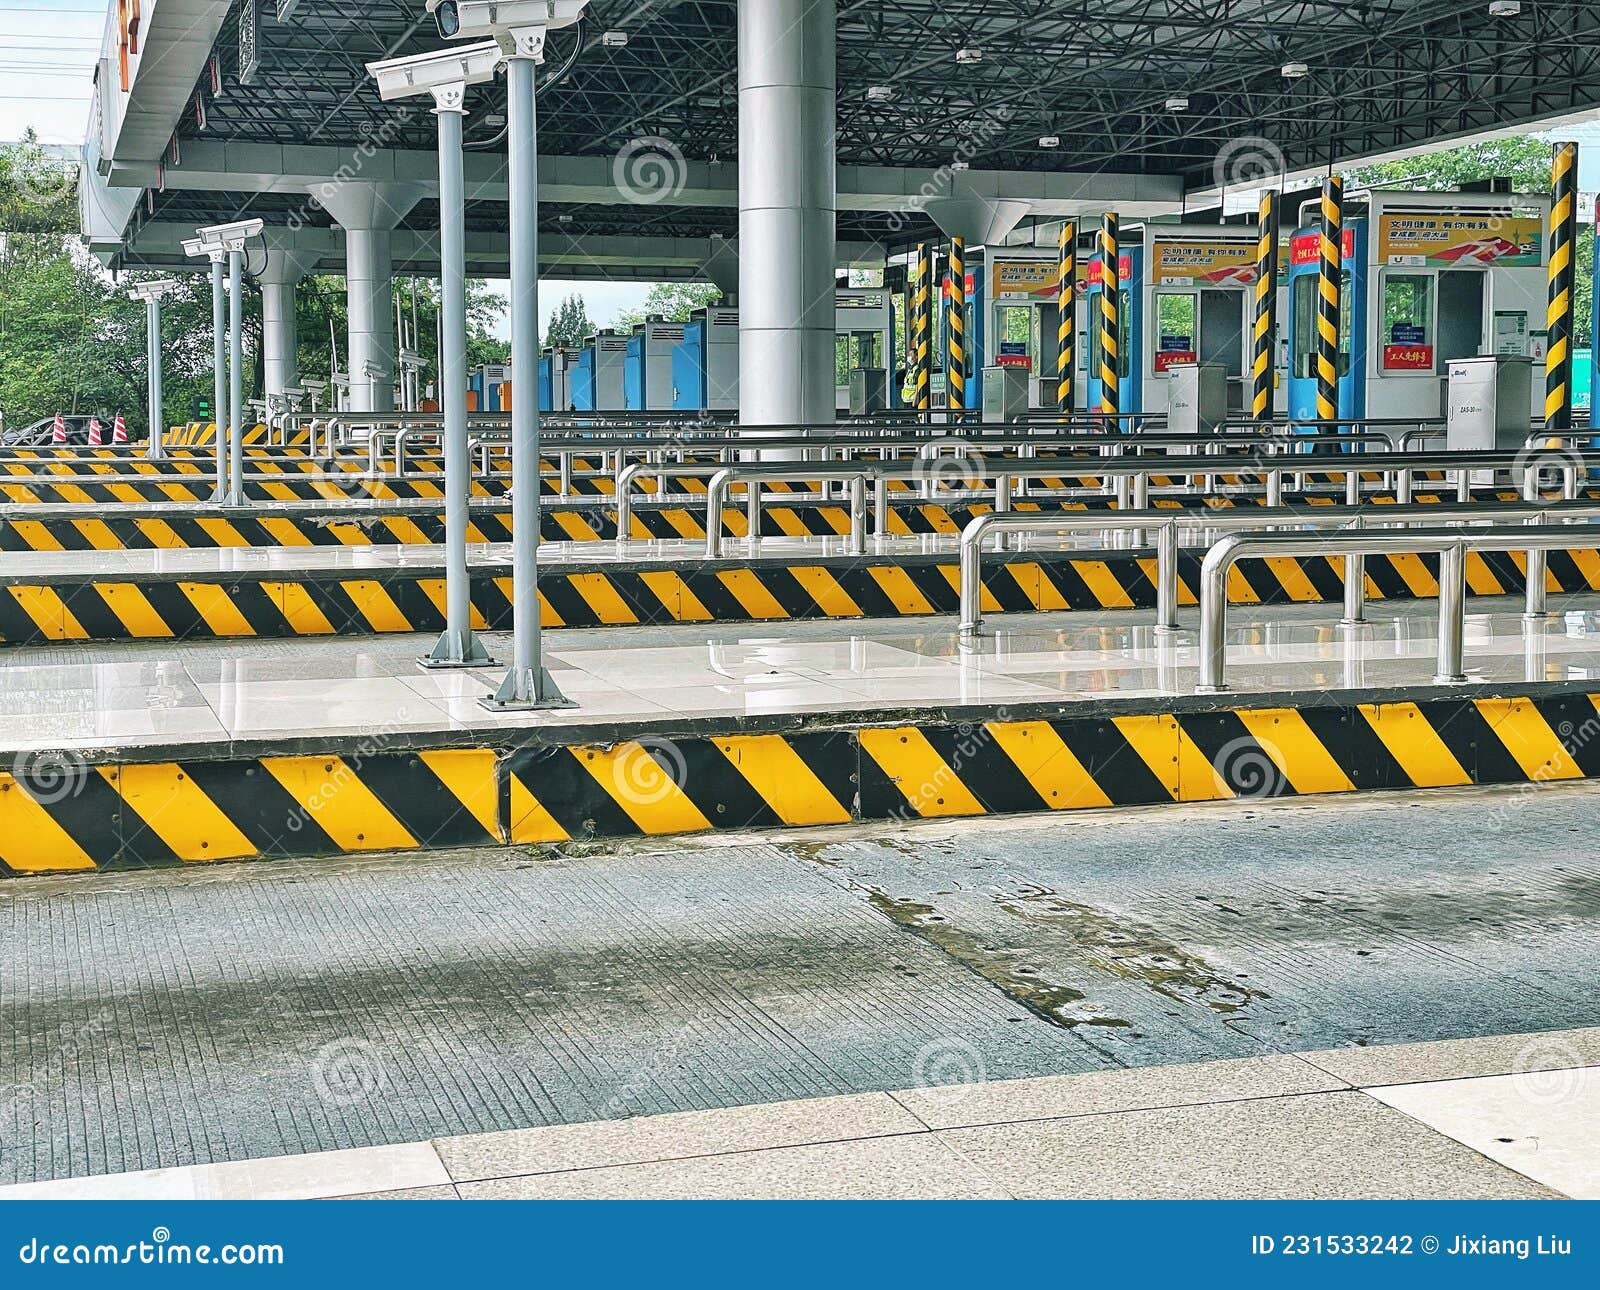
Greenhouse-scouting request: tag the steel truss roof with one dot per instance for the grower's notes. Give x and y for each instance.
(1383, 75)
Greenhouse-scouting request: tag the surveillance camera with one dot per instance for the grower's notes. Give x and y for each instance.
(198, 246)
(152, 290)
(400, 78)
(474, 19)
(231, 236)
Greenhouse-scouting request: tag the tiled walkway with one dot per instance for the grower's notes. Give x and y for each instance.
(64, 697)
(1507, 1117)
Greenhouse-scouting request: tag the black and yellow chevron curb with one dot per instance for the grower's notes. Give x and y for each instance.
(61, 813)
(576, 594)
(416, 521)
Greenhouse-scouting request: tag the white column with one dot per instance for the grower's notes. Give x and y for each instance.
(281, 274)
(368, 213)
(786, 211)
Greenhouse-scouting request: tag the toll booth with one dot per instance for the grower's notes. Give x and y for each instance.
(1012, 296)
(1426, 278)
(556, 368)
(1186, 295)
(596, 379)
(705, 363)
(863, 324)
(647, 365)
(488, 385)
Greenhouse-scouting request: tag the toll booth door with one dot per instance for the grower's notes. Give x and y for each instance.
(1460, 317)
(688, 373)
(1222, 339)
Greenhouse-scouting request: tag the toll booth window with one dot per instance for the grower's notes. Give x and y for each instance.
(1124, 315)
(1304, 324)
(1407, 336)
(1176, 322)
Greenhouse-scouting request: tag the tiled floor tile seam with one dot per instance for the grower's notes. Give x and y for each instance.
(1494, 1073)
(1162, 1105)
(1458, 1142)
(685, 1157)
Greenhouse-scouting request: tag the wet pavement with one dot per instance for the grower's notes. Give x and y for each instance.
(178, 1017)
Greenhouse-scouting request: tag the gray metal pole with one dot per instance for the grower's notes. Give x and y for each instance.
(219, 360)
(457, 646)
(235, 379)
(526, 684)
(154, 449)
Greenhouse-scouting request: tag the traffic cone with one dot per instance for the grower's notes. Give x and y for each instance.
(119, 430)
(58, 432)
(95, 433)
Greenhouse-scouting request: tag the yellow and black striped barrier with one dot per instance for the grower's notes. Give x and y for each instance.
(404, 522)
(63, 812)
(922, 331)
(1563, 283)
(1264, 330)
(955, 329)
(1110, 304)
(1329, 284)
(289, 602)
(1066, 313)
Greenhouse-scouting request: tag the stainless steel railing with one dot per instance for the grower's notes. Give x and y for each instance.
(1451, 545)
(1169, 528)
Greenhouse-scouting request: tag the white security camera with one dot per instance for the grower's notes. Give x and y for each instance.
(511, 22)
(152, 290)
(440, 70)
(228, 237)
(198, 246)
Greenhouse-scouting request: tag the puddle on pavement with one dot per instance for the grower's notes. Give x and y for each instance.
(1059, 930)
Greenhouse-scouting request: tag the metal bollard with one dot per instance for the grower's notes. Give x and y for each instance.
(752, 512)
(858, 515)
(880, 506)
(1537, 563)
(1355, 566)
(1452, 598)
(1167, 578)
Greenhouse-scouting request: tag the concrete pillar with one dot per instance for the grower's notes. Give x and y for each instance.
(786, 211)
(281, 274)
(368, 213)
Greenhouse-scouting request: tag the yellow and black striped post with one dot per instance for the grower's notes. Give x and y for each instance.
(1328, 300)
(1265, 333)
(1110, 288)
(921, 330)
(1066, 313)
(955, 330)
(1558, 317)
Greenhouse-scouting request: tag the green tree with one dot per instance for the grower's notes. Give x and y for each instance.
(674, 301)
(570, 323)
(1522, 159)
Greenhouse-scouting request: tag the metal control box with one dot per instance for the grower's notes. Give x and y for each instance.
(1197, 397)
(869, 391)
(1005, 393)
(1489, 400)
